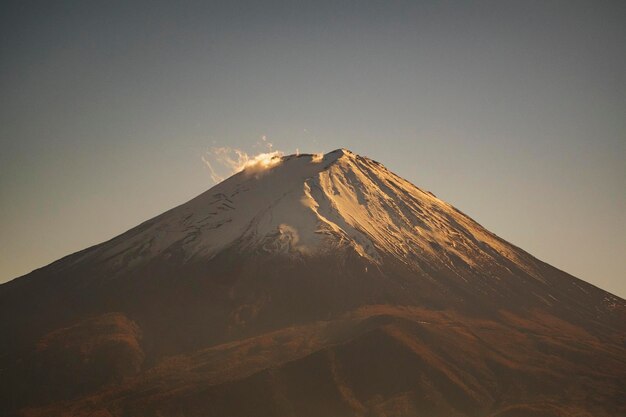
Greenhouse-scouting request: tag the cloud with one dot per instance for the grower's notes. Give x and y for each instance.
(214, 176)
(223, 162)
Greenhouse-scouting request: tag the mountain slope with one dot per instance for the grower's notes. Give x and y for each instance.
(290, 271)
(307, 204)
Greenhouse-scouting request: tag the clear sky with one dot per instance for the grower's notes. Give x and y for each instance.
(514, 112)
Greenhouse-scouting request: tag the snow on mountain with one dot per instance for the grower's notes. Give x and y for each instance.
(302, 205)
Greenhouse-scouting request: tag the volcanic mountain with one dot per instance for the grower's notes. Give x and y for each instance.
(310, 285)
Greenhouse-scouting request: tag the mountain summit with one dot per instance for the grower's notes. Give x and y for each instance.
(307, 205)
(310, 285)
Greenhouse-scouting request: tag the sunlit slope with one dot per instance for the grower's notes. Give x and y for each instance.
(309, 204)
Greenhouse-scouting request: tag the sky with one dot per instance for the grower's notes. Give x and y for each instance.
(514, 112)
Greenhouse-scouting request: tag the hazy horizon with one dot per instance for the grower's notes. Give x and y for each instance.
(514, 112)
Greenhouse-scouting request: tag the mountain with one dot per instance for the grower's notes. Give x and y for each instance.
(310, 285)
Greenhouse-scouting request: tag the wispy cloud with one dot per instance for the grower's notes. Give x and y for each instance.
(224, 161)
(214, 175)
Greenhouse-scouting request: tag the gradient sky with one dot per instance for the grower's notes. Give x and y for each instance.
(514, 112)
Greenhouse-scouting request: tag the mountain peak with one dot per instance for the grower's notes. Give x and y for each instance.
(310, 205)
(325, 159)
(342, 152)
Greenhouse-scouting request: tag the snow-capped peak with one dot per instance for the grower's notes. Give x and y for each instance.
(303, 205)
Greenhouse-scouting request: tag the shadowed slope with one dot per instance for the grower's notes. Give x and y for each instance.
(383, 360)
